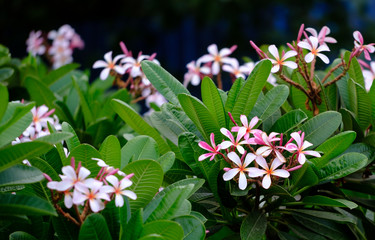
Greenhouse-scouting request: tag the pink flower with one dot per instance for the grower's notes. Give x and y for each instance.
(268, 171)
(217, 57)
(70, 178)
(195, 73)
(369, 76)
(242, 168)
(213, 150)
(300, 147)
(118, 188)
(35, 43)
(134, 65)
(248, 127)
(109, 65)
(312, 45)
(234, 142)
(268, 147)
(358, 44)
(280, 61)
(322, 36)
(237, 70)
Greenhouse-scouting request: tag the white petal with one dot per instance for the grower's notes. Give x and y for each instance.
(281, 173)
(249, 158)
(273, 50)
(230, 174)
(235, 158)
(242, 181)
(256, 172)
(195, 80)
(306, 144)
(212, 49)
(290, 64)
(96, 205)
(69, 172)
(108, 56)
(314, 41)
(323, 57)
(262, 162)
(83, 173)
(323, 48)
(125, 183)
(226, 144)
(225, 52)
(301, 158)
(104, 74)
(240, 149)
(215, 68)
(275, 68)
(309, 57)
(266, 183)
(68, 201)
(130, 194)
(113, 180)
(289, 54)
(275, 163)
(297, 138)
(206, 58)
(304, 45)
(119, 200)
(312, 153)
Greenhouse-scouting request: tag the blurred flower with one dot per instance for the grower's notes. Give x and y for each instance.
(217, 57)
(278, 62)
(134, 65)
(195, 73)
(109, 65)
(358, 44)
(237, 70)
(241, 169)
(35, 43)
(322, 36)
(369, 76)
(314, 50)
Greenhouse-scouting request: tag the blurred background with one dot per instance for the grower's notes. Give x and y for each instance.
(180, 30)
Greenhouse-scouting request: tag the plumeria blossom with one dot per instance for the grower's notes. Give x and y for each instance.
(268, 171)
(217, 57)
(361, 47)
(241, 168)
(280, 61)
(133, 65)
(312, 46)
(237, 70)
(214, 149)
(248, 127)
(35, 43)
(93, 191)
(322, 35)
(195, 73)
(267, 147)
(300, 147)
(106, 169)
(70, 178)
(234, 142)
(369, 75)
(118, 188)
(109, 64)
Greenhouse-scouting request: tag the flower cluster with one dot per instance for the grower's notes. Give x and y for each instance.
(58, 45)
(216, 62)
(256, 156)
(125, 66)
(39, 125)
(93, 193)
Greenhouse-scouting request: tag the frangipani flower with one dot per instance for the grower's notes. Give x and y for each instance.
(213, 150)
(358, 44)
(109, 65)
(261, 138)
(35, 43)
(242, 168)
(268, 171)
(93, 191)
(248, 127)
(300, 147)
(134, 65)
(369, 76)
(235, 143)
(280, 61)
(195, 72)
(118, 188)
(217, 57)
(322, 36)
(314, 50)
(70, 178)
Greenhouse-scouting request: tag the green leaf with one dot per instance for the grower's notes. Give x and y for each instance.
(200, 115)
(302, 232)
(254, 226)
(55, 75)
(371, 94)
(111, 151)
(19, 235)
(298, 98)
(46, 166)
(233, 94)
(350, 123)
(337, 217)
(359, 104)
(289, 121)
(193, 228)
(134, 227)
(355, 70)
(55, 137)
(333, 147)
(65, 229)
(25, 204)
(304, 177)
(86, 109)
(167, 126)
(342, 166)
(16, 119)
(4, 98)
(6, 73)
(166, 161)
(148, 176)
(271, 102)
(39, 92)
(73, 141)
(139, 147)
(139, 125)
(94, 227)
(251, 90)
(15, 154)
(125, 215)
(84, 154)
(319, 200)
(20, 174)
(211, 98)
(163, 81)
(169, 203)
(370, 139)
(320, 127)
(169, 230)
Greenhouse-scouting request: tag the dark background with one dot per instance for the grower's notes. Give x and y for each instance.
(180, 31)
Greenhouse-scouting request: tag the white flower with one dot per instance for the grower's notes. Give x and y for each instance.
(280, 61)
(134, 64)
(195, 72)
(314, 50)
(217, 57)
(369, 76)
(237, 70)
(242, 168)
(118, 188)
(109, 65)
(156, 98)
(70, 178)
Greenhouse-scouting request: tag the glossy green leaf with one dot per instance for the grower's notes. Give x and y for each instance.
(6, 73)
(47, 166)
(211, 98)
(19, 235)
(15, 120)
(94, 227)
(148, 176)
(359, 104)
(337, 217)
(134, 227)
(112, 215)
(304, 177)
(355, 70)
(20, 174)
(54, 75)
(163, 81)
(371, 94)
(200, 115)
(55, 137)
(333, 147)
(271, 102)
(125, 215)
(39, 92)
(74, 140)
(139, 147)
(370, 139)
(25, 204)
(320, 127)
(193, 228)
(111, 151)
(15, 154)
(4, 98)
(168, 127)
(232, 95)
(166, 161)
(84, 154)
(319, 200)
(169, 230)
(342, 166)
(303, 233)
(289, 121)
(139, 125)
(251, 89)
(84, 104)
(254, 226)
(64, 229)
(350, 123)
